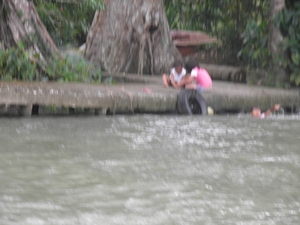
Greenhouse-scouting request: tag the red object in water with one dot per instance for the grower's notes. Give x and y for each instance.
(187, 41)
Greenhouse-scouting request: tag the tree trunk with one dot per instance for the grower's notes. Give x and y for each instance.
(19, 22)
(131, 36)
(275, 39)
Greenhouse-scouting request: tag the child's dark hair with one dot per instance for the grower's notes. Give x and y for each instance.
(178, 63)
(255, 108)
(190, 65)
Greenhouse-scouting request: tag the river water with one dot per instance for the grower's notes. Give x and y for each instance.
(150, 169)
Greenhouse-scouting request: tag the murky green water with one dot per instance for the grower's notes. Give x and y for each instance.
(150, 170)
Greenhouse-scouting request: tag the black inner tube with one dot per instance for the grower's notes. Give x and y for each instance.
(191, 102)
(194, 106)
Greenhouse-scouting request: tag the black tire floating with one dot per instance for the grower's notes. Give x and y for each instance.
(191, 102)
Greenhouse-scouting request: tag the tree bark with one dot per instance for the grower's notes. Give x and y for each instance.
(131, 36)
(275, 39)
(19, 22)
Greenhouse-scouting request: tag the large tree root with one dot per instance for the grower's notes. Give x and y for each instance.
(132, 37)
(20, 22)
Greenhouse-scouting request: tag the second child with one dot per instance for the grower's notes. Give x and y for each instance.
(198, 78)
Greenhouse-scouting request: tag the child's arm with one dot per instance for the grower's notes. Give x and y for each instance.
(172, 80)
(270, 111)
(187, 79)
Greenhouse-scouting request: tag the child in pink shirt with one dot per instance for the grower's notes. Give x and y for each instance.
(199, 78)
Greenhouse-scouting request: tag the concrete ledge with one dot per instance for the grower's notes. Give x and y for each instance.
(132, 98)
(25, 110)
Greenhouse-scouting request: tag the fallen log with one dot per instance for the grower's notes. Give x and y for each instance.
(226, 73)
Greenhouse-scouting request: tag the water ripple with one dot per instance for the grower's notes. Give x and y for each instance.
(150, 170)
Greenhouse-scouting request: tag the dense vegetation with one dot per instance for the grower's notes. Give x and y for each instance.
(68, 23)
(243, 26)
(240, 25)
(227, 21)
(289, 23)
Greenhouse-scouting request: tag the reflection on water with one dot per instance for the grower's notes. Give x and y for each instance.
(150, 170)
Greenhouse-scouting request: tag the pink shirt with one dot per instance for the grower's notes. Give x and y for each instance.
(202, 77)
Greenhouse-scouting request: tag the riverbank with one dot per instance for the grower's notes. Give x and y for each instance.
(136, 94)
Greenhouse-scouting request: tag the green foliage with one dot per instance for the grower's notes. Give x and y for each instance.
(289, 23)
(225, 19)
(255, 50)
(194, 15)
(73, 68)
(68, 21)
(15, 64)
(18, 64)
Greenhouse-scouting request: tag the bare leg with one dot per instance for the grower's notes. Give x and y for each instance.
(166, 80)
